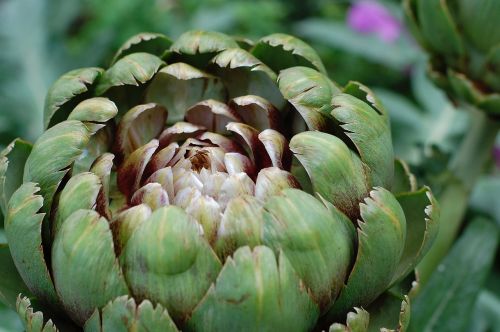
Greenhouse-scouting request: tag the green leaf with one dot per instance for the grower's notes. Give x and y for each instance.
(438, 27)
(83, 245)
(199, 42)
(486, 315)
(53, 154)
(478, 19)
(404, 180)
(381, 238)
(133, 69)
(66, 92)
(389, 311)
(239, 58)
(492, 68)
(80, 192)
(146, 42)
(365, 94)
(370, 133)
(484, 197)
(465, 87)
(310, 92)
(23, 227)
(12, 161)
(33, 321)
(336, 172)
(422, 225)
(10, 320)
(280, 51)
(446, 303)
(198, 47)
(168, 261)
(179, 86)
(308, 234)
(409, 9)
(455, 195)
(11, 284)
(123, 314)
(490, 103)
(244, 74)
(255, 291)
(96, 109)
(356, 321)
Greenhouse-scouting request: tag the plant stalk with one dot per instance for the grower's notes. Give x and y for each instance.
(466, 168)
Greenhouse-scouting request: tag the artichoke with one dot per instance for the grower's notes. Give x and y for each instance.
(213, 184)
(463, 40)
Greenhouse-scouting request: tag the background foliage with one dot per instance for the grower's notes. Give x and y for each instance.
(41, 39)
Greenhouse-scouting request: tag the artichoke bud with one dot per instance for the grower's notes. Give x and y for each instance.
(464, 46)
(189, 186)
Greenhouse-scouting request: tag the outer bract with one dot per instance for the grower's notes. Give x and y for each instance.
(205, 185)
(463, 40)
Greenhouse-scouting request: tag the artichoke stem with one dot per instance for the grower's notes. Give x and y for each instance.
(476, 149)
(466, 167)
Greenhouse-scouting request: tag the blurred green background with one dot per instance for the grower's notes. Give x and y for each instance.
(42, 39)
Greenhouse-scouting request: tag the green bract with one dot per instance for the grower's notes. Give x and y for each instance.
(463, 39)
(197, 185)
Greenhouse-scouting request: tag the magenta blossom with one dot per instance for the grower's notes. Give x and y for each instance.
(370, 17)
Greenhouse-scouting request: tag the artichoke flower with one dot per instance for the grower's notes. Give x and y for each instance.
(463, 40)
(213, 184)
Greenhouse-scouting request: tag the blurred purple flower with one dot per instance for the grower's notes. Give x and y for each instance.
(370, 17)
